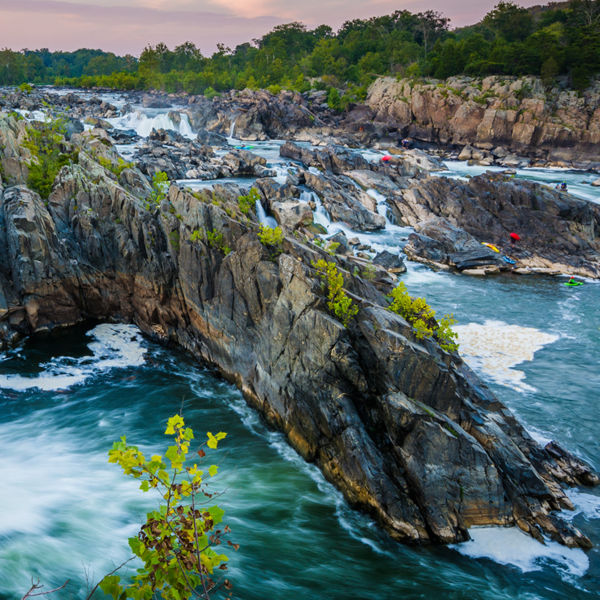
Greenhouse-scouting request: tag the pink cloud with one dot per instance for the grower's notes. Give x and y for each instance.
(67, 26)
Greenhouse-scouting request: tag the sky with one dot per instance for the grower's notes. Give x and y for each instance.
(127, 26)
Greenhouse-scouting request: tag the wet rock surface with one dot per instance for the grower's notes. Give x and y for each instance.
(405, 430)
(558, 232)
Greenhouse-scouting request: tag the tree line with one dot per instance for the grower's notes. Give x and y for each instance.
(557, 40)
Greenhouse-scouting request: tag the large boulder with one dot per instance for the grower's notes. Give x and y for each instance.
(557, 231)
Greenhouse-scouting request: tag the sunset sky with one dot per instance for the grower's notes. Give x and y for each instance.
(126, 26)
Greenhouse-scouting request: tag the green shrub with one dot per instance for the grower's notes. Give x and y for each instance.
(160, 187)
(210, 93)
(247, 203)
(422, 318)
(178, 545)
(174, 238)
(118, 168)
(445, 335)
(271, 237)
(334, 99)
(49, 153)
(27, 88)
(331, 248)
(212, 238)
(369, 272)
(339, 303)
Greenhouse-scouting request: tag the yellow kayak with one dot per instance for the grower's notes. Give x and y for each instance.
(491, 246)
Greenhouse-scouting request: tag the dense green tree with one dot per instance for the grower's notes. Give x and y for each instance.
(552, 41)
(512, 22)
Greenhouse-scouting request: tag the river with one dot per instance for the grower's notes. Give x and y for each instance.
(66, 513)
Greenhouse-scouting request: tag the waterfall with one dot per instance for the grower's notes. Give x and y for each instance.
(321, 215)
(231, 140)
(185, 127)
(382, 207)
(144, 124)
(263, 218)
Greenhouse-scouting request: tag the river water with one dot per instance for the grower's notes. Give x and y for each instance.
(66, 513)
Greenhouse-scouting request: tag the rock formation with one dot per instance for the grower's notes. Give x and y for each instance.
(453, 218)
(404, 429)
(496, 115)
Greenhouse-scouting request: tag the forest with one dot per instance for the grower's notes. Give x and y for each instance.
(560, 40)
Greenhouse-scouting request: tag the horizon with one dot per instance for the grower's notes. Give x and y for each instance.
(128, 26)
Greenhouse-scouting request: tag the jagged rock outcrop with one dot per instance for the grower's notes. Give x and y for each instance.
(252, 114)
(404, 429)
(559, 233)
(517, 114)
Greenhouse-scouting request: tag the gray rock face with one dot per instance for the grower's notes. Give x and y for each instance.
(391, 262)
(344, 202)
(438, 241)
(292, 214)
(558, 231)
(335, 159)
(404, 429)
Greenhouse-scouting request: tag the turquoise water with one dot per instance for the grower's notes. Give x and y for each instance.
(66, 511)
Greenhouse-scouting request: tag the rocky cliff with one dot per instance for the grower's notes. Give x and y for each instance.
(497, 116)
(403, 428)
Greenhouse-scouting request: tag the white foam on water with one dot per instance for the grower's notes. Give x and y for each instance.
(262, 216)
(372, 156)
(185, 127)
(586, 504)
(60, 498)
(539, 436)
(381, 200)
(113, 346)
(321, 216)
(578, 182)
(33, 115)
(495, 348)
(511, 546)
(143, 124)
(282, 173)
(231, 139)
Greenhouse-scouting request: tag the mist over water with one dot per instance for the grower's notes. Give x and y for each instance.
(66, 513)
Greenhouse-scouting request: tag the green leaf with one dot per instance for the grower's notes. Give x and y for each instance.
(212, 470)
(175, 422)
(217, 513)
(110, 585)
(213, 440)
(136, 545)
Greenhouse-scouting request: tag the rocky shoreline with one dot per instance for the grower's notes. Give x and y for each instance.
(403, 428)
